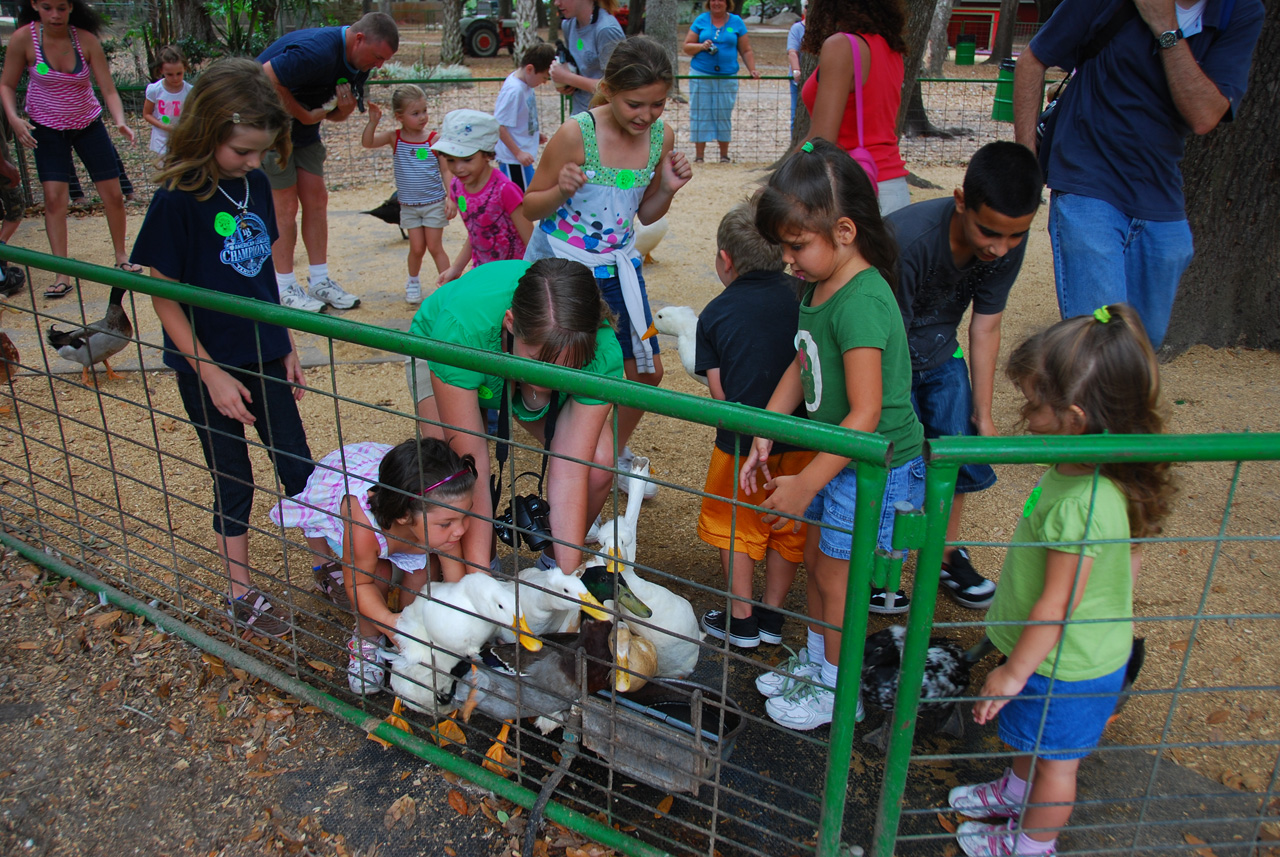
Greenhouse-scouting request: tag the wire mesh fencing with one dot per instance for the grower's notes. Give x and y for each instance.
(107, 476)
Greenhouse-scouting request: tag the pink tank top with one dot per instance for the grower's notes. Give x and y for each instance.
(60, 100)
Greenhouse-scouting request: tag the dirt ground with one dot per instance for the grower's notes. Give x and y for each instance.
(119, 739)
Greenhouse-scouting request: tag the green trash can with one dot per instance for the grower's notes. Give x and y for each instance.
(1002, 107)
(966, 47)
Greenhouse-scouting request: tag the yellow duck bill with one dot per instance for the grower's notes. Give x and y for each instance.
(524, 635)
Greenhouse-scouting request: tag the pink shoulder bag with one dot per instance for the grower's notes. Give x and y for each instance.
(861, 154)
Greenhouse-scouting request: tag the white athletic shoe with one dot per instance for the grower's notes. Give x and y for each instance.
(334, 295)
(295, 298)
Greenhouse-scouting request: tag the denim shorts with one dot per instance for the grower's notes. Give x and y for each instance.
(1077, 715)
(92, 143)
(943, 401)
(833, 506)
(611, 290)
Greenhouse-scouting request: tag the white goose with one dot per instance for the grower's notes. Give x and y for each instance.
(682, 323)
(673, 627)
(459, 618)
(549, 599)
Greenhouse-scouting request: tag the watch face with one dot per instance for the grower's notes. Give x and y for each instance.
(1169, 38)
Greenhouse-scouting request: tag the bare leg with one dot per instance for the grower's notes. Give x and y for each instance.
(779, 574)
(739, 568)
(235, 560)
(7, 228)
(286, 205)
(953, 525)
(435, 244)
(724, 149)
(831, 578)
(313, 198)
(55, 220)
(417, 249)
(113, 202)
(1054, 783)
(700, 150)
(629, 418)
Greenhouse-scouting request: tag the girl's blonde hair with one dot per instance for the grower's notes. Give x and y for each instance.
(404, 95)
(231, 92)
(1104, 365)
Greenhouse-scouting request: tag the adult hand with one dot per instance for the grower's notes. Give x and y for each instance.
(346, 99)
(316, 115)
(126, 131)
(1159, 15)
(708, 45)
(1001, 681)
(572, 178)
(559, 73)
(525, 158)
(228, 395)
(676, 172)
(755, 74)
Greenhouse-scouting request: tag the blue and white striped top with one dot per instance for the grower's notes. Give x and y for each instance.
(417, 172)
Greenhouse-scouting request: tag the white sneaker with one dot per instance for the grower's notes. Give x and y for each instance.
(295, 298)
(805, 707)
(780, 680)
(366, 670)
(413, 293)
(333, 294)
(624, 481)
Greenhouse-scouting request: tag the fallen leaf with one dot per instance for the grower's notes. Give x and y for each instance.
(28, 646)
(1179, 645)
(405, 809)
(1219, 716)
(320, 666)
(1192, 839)
(257, 757)
(664, 806)
(162, 690)
(275, 715)
(108, 686)
(177, 726)
(450, 852)
(458, 802)
(946, 823)
(102, 620)
(215, 664)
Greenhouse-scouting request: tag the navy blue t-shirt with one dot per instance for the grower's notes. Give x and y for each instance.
(184, 240)
(310, 63)
(748, 332)
(933, 293)
(1119, 138)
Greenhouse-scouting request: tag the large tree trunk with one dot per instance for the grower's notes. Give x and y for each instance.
(451, 33)
(919, 17)
(1002, 43)
(661, 25)
(1228, 296)
(526, 28)
(936, 46)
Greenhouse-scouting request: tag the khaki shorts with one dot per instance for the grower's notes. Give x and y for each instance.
(432, 215)
(418, 373)
(309, 159)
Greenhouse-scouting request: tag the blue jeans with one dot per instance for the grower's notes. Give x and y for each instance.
(943, 401)
(795, 97)
(834, 505)
(1102, 256)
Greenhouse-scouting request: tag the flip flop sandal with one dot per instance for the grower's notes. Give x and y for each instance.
(130, 267)
(59, 290)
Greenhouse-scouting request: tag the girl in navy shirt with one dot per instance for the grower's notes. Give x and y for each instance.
(212, 224)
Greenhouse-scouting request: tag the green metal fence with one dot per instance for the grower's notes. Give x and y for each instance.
(104, 483)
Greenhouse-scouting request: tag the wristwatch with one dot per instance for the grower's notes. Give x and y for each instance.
(1169, 38)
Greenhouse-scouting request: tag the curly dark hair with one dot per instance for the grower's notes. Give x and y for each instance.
(887, 18)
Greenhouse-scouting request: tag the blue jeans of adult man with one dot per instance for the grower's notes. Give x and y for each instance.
(1102, 256)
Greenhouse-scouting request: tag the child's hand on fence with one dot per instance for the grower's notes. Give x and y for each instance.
(228, 395)
(294, 375)
(571, 180)
(758, 460)
(1001, 682)
(676, 172)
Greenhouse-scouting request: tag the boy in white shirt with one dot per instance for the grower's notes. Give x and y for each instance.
(517, 114)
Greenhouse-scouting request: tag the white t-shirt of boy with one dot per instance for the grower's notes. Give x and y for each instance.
(168, 109)
(517, 109)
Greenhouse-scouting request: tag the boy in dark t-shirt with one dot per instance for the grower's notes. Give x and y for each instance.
(957, 252)
(745, 342)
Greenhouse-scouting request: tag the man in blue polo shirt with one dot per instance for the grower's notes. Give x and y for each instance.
(1117, 218)
(319, 74)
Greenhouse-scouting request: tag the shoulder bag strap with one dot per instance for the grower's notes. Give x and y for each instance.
(1119, 18)
(857, 83)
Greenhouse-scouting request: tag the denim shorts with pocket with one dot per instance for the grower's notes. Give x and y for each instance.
(834, 505)
(1077, 715)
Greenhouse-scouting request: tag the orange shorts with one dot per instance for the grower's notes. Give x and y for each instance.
(720, 527)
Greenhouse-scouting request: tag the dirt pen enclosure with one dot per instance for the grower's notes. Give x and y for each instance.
(119, 736)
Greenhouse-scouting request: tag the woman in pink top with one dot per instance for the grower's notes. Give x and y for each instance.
(877, 28)
(56, 44)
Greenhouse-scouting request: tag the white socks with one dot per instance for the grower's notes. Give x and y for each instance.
(319, 273)
(285, 282)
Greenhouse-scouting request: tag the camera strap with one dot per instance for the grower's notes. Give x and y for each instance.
(503, 447)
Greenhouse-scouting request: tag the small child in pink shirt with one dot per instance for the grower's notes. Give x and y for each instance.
(489, 202)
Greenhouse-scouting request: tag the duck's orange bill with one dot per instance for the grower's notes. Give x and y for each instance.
(650, 333)
(592, 607)
(524, 635)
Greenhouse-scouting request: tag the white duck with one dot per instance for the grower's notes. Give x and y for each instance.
(458, 618)
(647, 237)
(682, 323)
(673, 627)
(549, 599)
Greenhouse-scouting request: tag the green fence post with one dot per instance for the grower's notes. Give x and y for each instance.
(940, 486)
(866, 524)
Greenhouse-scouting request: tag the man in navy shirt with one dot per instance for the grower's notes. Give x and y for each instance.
(1117, 218)
(319, 74)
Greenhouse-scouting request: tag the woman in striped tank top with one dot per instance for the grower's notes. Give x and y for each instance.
(57, 45)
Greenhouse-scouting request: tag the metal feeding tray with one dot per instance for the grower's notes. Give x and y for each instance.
(670, 735)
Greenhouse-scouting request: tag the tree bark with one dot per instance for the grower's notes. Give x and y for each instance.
(936, 45)
(661, 25)
(526, 29)
(1228, 297)
(451, 32)
(1002, 42)
(919, 17)
(800, 127)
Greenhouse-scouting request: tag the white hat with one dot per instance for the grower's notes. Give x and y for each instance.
(466, 132)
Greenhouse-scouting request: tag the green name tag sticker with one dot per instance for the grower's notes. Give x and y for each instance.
(1031, 502)
(581, 44)
(165, 120)
(484, 392)
(421, 154)
(728, 31)
(42, 68)
(959, 351)
(342, 80)
(224, 224)
(626, 179)
(462, 204)
(527, 25)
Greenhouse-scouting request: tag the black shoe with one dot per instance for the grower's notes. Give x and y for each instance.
(770, 622)
(889, 603)
(963, 583)
(743, 633)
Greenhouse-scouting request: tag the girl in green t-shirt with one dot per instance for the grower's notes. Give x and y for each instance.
(852, 369)
(1057, 689)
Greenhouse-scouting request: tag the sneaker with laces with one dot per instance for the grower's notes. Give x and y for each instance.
(963, 583)
(255, 612)
(624, 483)
(996, 840)
(413, 293)
(334, 295)
(366, 666)
(782, 678)
(770, 622)
(985, 800)
(806, 707)
(743, 633)
(889, 603)
(295, 298)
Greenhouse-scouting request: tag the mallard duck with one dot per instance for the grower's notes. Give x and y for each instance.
(458, 618)
(507, 682)
(636, 659)
(682, 323)
(549, 597)
(97, 342)
(673, 626)
(946, 676)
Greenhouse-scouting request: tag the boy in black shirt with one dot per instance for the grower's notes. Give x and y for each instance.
(745, 342)
(955, 252)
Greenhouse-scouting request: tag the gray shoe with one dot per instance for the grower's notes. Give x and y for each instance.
(333, 294)
(295, 298)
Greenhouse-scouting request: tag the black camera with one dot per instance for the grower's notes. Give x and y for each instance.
(533, 515)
